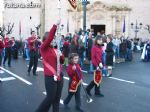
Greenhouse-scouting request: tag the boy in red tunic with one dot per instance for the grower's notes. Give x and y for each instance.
(75, 75)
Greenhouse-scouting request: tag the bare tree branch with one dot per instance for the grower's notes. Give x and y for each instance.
(148, 28)
(9, 28)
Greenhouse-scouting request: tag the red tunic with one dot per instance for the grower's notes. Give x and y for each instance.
(72, 72)
(31, 43)
(48, 53)
(96, 55)
(1, 46)
(7, 42)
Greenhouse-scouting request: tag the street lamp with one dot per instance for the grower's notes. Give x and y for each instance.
(136, 27)
(84, 3)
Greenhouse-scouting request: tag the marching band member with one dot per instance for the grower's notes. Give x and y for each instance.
(33, 51)
(8, 44)
(1, 50)
(53, 81)
(96, 54)
(75, 75)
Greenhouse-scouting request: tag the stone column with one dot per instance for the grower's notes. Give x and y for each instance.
(42, 18)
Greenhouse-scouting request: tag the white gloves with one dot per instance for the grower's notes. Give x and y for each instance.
(60, 53)
(97, 68)
(100, 65)
(58, 22)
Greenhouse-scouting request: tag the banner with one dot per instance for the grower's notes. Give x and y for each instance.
(124, 26)
(20, 29)
(73, 3)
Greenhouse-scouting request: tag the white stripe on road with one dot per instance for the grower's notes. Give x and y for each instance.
(16, 76)
(1, 72)
(61, 101)
(7, 79)
(122, 80)
(67, 78)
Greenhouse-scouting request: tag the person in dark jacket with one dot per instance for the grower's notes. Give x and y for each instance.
(123, 50)
(74, 44)
(90, 44)
(148, 50)
(66, 51)
(53, 81)
(109, 55)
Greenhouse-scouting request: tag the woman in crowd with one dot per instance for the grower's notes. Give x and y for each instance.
(109, 55)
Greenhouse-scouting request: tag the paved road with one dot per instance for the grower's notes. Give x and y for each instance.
(127, 91)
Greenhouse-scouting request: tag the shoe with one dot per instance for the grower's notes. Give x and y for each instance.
(88, 92)
(0, 81)
(79, 109)
(99, 95)
(65, 105)
(9, 65)
(110, 75)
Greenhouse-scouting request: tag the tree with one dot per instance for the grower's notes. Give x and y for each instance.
(6, 29)
(2, 31)
(9, 28)
(37, 29)
(148, 28)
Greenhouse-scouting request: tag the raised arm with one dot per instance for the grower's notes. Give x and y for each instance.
(49, 38)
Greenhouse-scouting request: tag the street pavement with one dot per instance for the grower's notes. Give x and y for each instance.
(128, 90)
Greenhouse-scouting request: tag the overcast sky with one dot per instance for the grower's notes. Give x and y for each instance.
(1, 5)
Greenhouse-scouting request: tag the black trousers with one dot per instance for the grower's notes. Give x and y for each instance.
(0, 58)
(7, 55)
(76, 94)
(33, 61)
(53, 90)
(92, 84)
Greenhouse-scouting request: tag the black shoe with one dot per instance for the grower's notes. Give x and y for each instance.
(99, 95)
(110, 75)
(0, 81)
(88, 92)
(79, 109)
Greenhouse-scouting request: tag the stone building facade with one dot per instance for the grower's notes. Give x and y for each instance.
(107, 15)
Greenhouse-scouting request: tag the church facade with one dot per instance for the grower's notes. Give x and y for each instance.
(112, 16)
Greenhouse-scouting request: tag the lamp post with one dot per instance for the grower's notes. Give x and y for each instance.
(136, 27)
(84, 3)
